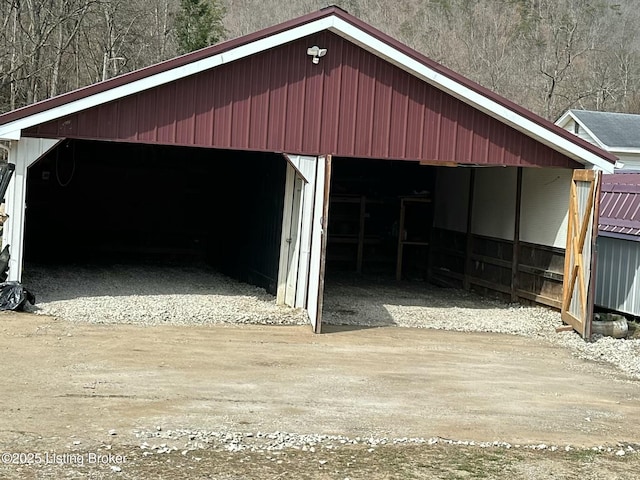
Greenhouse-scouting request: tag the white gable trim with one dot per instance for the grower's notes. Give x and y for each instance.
(15, 135)
(351, 33)
(469, 96)
(8, 130)
(563, 121)
(568, 115)
(623, 150)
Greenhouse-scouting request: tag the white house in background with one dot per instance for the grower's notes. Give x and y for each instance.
(618, 133)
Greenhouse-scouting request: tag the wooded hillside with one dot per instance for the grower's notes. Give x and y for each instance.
(548, 55)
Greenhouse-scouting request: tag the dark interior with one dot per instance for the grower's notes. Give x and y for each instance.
(364, 214)
(113, 202)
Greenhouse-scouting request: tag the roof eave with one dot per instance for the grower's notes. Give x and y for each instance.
(624, 150)
(530, 124)
(619, 236)
(337, 21)
(569, 115)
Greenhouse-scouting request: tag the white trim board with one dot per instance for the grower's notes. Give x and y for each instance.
(350, 32)
(165, 77)
(564, 119)
(469, 96)
(23, 154)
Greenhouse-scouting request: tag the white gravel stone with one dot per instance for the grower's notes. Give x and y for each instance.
(277, 442)
(152, 295)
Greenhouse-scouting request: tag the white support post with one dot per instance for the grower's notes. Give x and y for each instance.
(15, 197)
(23, 154)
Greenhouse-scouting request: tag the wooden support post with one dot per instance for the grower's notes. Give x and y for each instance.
(325, 224)
(466, 284)
(515, 258)
(400, 241)
(361, 227)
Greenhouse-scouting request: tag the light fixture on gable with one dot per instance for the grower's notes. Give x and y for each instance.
(316, 52)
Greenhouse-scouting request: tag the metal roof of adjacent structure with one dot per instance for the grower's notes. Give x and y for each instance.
(620, 206)
(348, 28)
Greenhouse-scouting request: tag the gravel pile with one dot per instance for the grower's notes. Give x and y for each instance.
(152, 295)
(190, 441)
(195, 295)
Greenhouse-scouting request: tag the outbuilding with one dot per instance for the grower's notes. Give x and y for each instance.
(618, 272)
(318, 143)
(617, 133)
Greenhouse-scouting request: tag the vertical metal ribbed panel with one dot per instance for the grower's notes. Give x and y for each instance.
(351, 104)
(618, 275)
(620, 205)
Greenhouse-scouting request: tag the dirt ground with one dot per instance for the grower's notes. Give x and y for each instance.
(71, 388)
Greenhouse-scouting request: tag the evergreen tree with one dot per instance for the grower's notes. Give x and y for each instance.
(199, 24)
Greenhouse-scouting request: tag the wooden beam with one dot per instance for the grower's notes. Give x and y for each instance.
(541, 272)
(551, 302)
(361, 226)
(515, 257)
(568, 264)
(490, 285)
(584, 175)
(437, 163)
(469, 246)
(564, 328)
(497, 262)
(325, 223)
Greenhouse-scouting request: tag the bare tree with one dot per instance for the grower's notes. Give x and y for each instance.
(547, 55)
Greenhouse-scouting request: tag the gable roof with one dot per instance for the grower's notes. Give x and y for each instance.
(618, 132)
(346, 26)
(620, 206)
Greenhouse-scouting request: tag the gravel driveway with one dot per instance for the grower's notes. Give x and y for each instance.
(196, 295)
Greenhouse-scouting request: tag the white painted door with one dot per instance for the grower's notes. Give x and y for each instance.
(319, 243)
(290, 244)
(303, 241)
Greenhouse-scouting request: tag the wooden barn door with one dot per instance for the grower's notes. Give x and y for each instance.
(577, 297)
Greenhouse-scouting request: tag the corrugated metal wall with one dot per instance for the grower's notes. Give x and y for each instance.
(618, 275)
(352, 104)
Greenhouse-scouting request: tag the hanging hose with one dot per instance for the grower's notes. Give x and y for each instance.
(73, 168)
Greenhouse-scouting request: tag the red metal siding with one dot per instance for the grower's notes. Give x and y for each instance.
(620, 205)
(351, 104)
